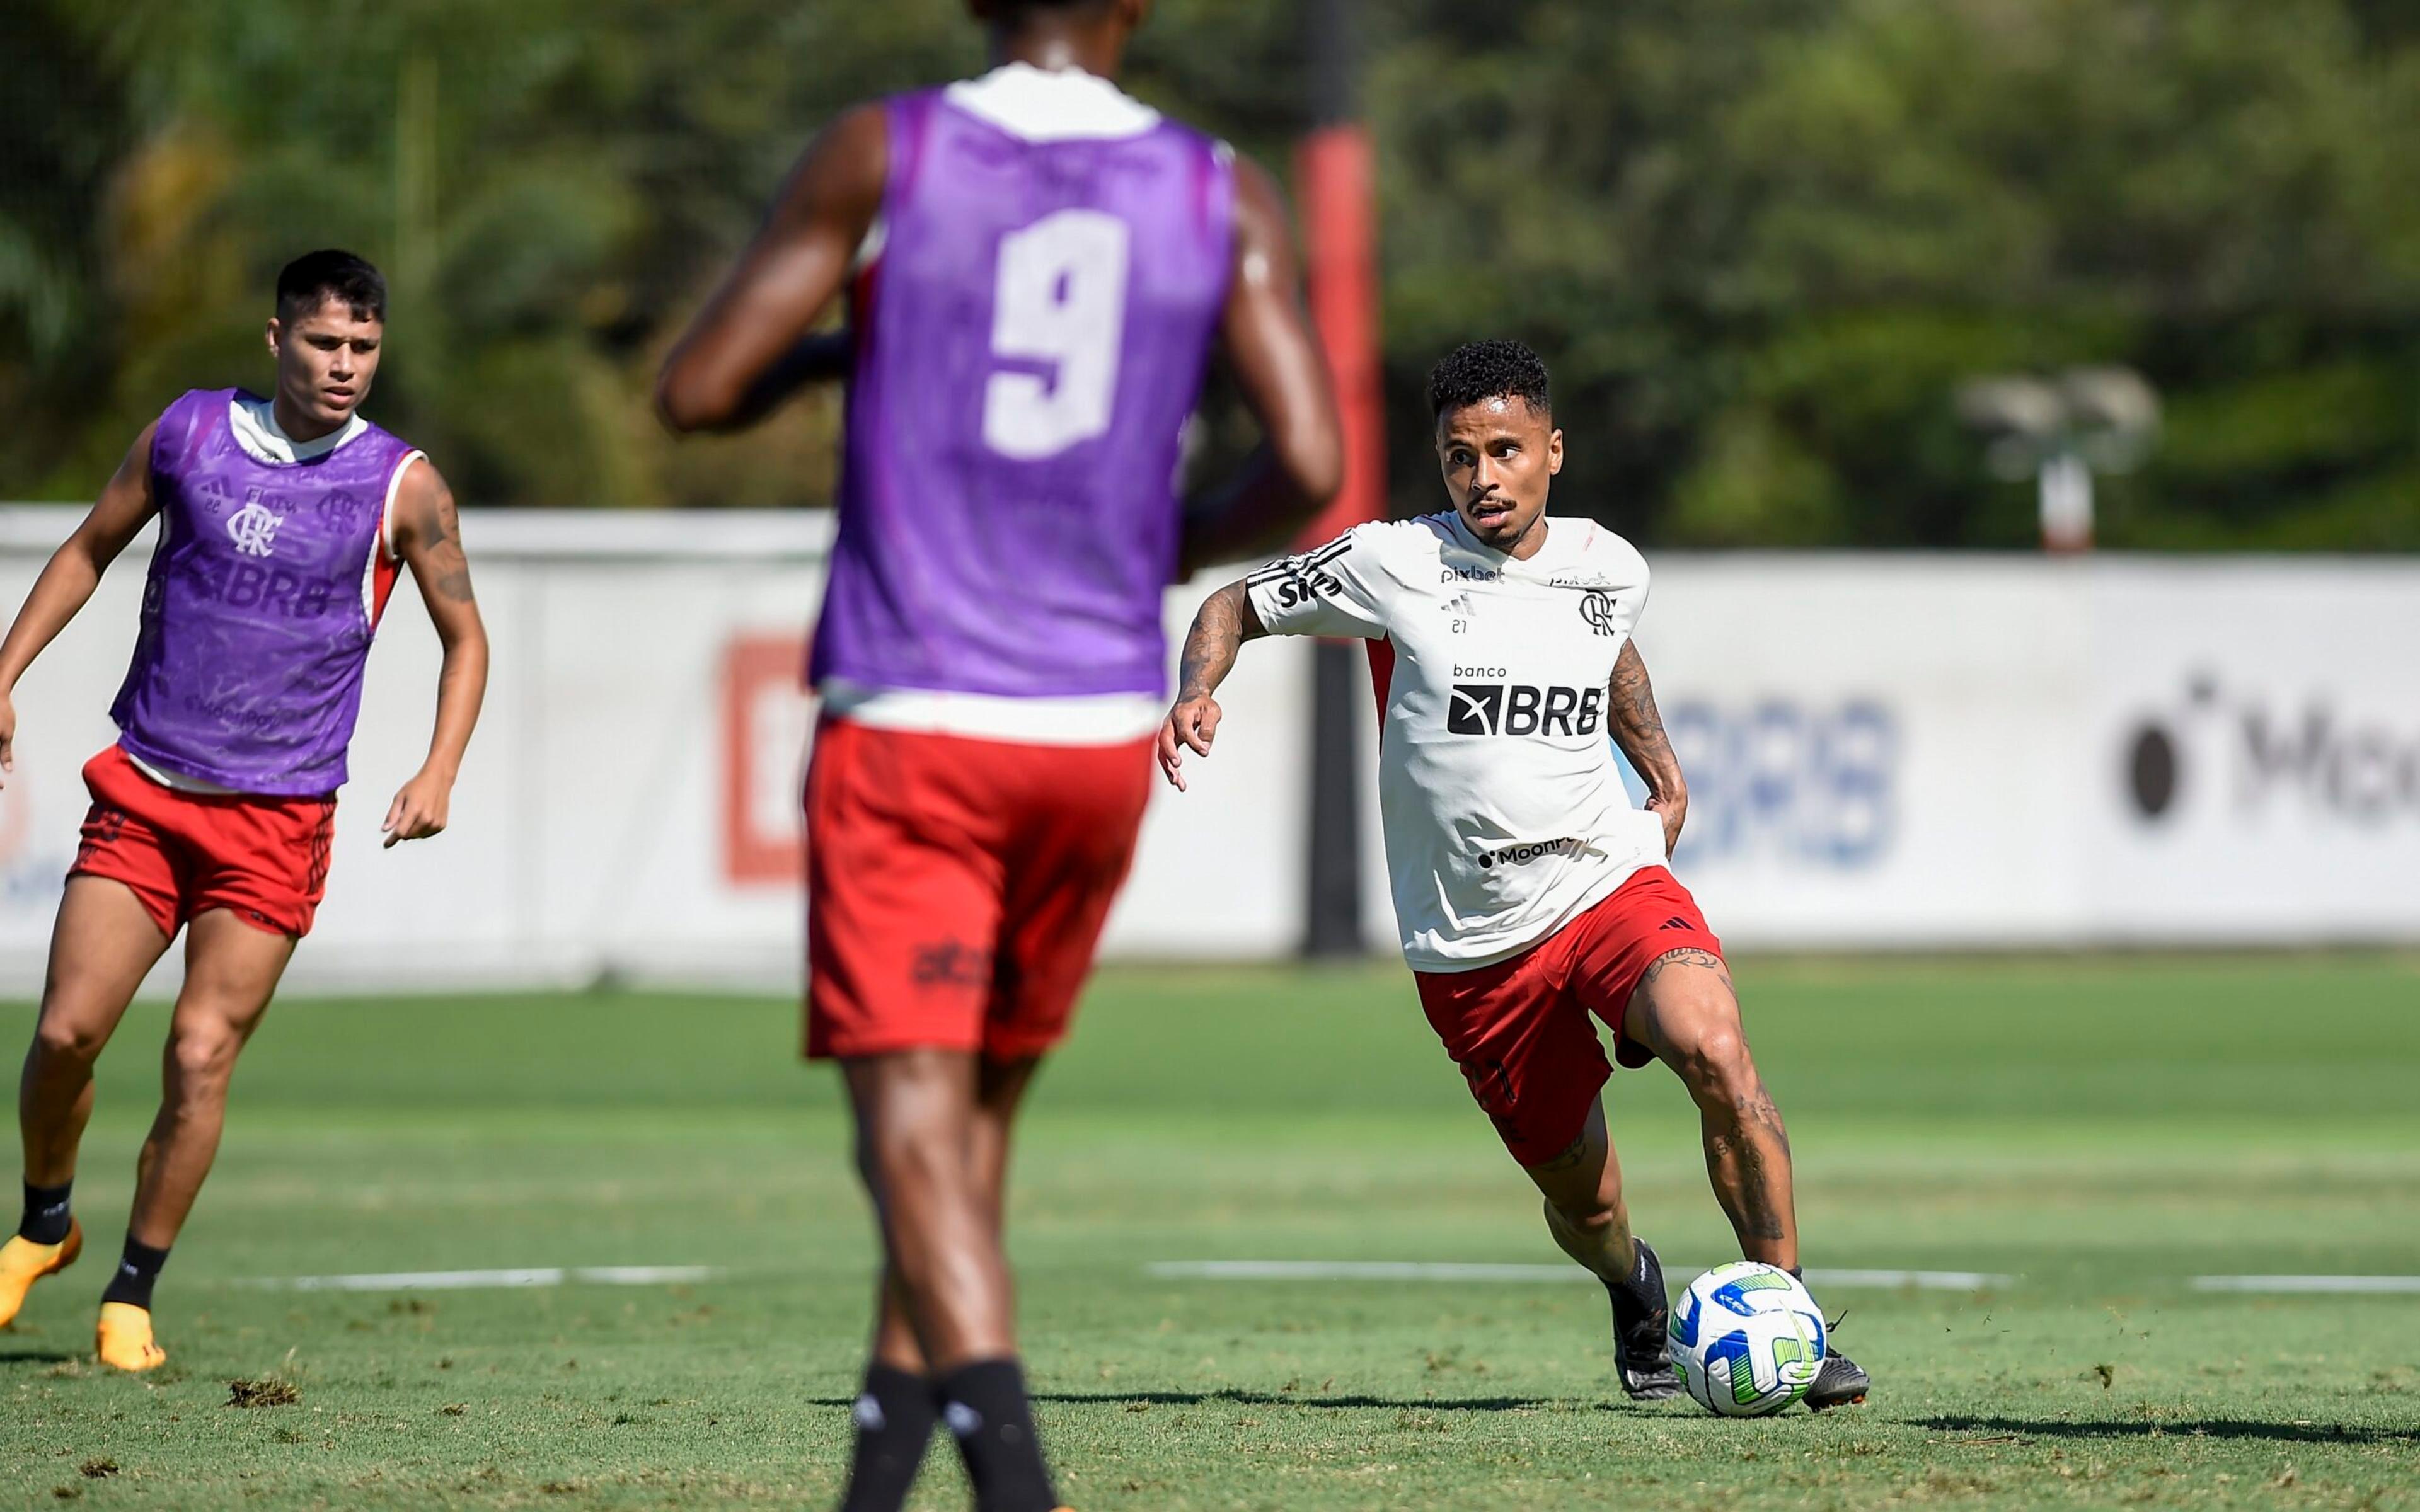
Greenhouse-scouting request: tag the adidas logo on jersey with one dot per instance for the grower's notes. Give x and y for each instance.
(1520, 709)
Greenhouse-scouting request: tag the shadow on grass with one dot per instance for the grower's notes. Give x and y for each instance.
(1293, 1398)
(1266, 1398)
(2223, 1427)
(8, 1357)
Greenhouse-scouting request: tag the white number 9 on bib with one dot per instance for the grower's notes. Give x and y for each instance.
(1061, 299)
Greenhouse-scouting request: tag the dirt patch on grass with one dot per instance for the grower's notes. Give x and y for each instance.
(262, 1394)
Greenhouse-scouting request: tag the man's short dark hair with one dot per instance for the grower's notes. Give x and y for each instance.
(1012, 10)
(310, 280)
(1484, 370)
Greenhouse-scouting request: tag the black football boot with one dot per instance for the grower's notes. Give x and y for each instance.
(1641, 1346)
(1838, 1383)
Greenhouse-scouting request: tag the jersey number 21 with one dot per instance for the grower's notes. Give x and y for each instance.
(1060, 299)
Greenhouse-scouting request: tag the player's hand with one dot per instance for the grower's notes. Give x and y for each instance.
(418, 810)
(1674, 808)
(1194, 723)
(7, 735)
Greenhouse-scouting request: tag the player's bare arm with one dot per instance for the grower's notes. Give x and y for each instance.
(1225, 622)
(1638, 730)
(72, 573)
(1268, 345)
(752, 343)
(428, 538)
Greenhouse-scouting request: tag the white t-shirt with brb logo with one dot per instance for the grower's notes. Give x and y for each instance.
(1504, 810)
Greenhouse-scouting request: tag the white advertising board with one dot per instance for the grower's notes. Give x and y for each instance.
(2254, 737)
(1884, 752)
(1880, 751)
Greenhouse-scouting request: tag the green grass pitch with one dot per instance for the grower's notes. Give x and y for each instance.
(2100, 1130)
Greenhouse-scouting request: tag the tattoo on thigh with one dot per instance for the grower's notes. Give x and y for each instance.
(1572, 1156)
(1686, 956)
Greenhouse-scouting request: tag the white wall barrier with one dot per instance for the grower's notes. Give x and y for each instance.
(1884, 751)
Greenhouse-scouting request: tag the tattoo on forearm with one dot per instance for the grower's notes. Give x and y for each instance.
(1210, 647)
(1637, 727)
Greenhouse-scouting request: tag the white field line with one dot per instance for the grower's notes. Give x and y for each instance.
(1921, 1280)
(1452, 1271)
(1430, 1271)
(543, 1275)
(1354, 1270)
(2290, 1284)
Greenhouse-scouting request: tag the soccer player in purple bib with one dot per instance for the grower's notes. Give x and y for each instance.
(283, 524)
(1040, 269)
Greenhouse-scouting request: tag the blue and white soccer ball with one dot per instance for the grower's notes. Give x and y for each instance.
(1748, 1339)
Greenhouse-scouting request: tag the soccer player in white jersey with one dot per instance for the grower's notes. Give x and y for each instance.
(1530, 893)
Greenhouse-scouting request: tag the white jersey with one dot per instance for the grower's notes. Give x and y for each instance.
(1504, 810)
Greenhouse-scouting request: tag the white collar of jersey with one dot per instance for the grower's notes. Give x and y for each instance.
(256, 430)
(1051, 105)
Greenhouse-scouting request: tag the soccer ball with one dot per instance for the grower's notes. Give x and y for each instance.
(1748, 1339)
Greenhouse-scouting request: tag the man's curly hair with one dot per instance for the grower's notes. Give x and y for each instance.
(1483, 370)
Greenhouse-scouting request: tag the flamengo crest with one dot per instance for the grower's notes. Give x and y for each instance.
(254, 530)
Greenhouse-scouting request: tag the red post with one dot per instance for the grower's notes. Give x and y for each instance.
(1337, 179)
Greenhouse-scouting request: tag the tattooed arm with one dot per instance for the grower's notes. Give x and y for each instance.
(1638, 730)
(428, 538)
(1226, 622)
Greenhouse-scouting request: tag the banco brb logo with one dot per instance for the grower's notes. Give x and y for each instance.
(1521, 709)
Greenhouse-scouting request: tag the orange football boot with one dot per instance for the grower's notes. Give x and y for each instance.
(124, 1338)
(22, 1263)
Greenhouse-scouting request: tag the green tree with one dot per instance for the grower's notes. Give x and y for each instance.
(1762, 241)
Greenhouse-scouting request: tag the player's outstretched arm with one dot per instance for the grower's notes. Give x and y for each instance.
(428, 538)
(1638, 730)
(1267, 344)
(1225, 622)
(751, 346)
(72, 573)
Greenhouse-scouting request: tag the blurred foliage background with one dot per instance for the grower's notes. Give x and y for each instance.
(1761, 241)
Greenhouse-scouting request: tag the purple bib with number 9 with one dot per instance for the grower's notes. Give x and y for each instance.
(1031, 339)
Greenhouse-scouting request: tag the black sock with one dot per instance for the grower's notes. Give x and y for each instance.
(46, 1214)
(986, 1408)
(137, 1269)
(895, 1414)
(1798, 1274)
(1635, 1287)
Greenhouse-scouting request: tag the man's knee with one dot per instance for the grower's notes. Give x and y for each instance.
(61, 1040)
(202, 1056)
(1711, 1057)
(1589, 1207)
(1592, 1217)
(909, 1153)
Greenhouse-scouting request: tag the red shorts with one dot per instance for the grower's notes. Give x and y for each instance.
(955, 887)
(1520, 1032)
(183, 853)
